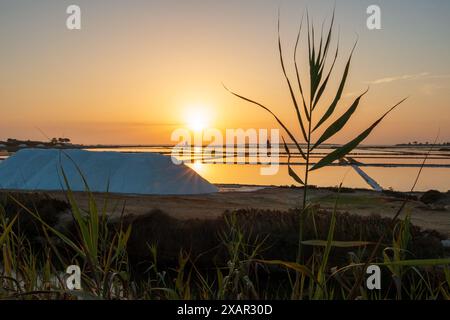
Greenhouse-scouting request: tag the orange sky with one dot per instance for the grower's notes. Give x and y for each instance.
(134, 73)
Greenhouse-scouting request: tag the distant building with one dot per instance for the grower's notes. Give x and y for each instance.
(22, 145)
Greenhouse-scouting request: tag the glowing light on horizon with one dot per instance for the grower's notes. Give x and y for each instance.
(198, 118)
(197, 124)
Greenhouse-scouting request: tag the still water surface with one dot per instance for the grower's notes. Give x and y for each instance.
(390, 167)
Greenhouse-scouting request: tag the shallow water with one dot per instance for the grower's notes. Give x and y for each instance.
(400, 179)
(391, 167)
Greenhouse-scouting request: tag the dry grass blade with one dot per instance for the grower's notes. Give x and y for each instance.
(6, 230)
(290, 265)
(337, 244)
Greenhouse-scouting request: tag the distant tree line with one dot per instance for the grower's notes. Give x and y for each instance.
(416, 143)
(60, 140)
(53, 141)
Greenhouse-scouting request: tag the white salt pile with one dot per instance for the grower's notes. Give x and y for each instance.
(131, 173)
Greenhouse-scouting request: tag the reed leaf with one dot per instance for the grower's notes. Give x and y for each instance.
(291, 136)
(294, 99)
(336, 126)
(333, 105)
(325, 82)
(290, 170)
(297, 72)
(342, 151)
(327, 43)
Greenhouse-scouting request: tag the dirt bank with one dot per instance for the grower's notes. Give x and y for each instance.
(361, 202)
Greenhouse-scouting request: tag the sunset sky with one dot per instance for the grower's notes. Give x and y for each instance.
(139, 69)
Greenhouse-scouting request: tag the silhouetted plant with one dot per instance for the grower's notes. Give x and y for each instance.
(306, 107)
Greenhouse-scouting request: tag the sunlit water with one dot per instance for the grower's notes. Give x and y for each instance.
(391, 167)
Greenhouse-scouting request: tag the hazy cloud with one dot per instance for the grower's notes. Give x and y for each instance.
(402, 77)
(423, 75)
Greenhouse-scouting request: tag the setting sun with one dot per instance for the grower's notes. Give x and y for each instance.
(198, 118)
(197, 123)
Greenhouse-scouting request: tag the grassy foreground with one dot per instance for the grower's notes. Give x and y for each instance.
(247, 254)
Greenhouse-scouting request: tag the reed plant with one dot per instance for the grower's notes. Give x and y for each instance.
(314, 117)
(306, 105)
